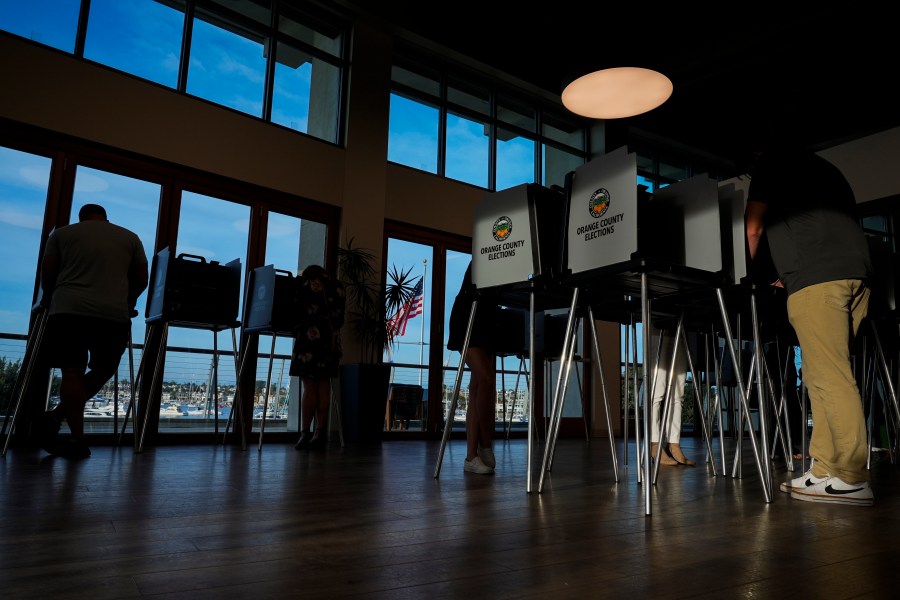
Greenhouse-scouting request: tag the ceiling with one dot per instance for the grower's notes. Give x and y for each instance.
(822, 77)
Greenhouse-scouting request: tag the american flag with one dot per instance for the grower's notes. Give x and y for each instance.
(397, 323)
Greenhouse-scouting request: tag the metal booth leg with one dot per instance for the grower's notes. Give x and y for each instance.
(512, 410)
(556, 406)
(155, 391)
(699, 407)
(334, 412)
(133, 406)
(32, 351)
(595, 338)
(131, 392)
(767, 488)
(262, 422)
(239, 362)
(888, 382)
(454, 398)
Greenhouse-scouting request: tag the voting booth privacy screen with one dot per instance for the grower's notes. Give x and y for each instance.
(603, 212)
(272, 301)
(517, 235)
(189, 289)
(732, 203)
(612, 220)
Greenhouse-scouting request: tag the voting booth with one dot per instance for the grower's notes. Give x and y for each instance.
(189, 290)
(626, 246)
(617, 231)
(271, 310)
(192, 292)
(517, 254)
(517, 241)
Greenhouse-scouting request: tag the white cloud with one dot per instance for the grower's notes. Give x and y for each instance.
(37, 175)
(17, 218)
(89, 183)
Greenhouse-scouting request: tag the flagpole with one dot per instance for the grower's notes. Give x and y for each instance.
(422, 326)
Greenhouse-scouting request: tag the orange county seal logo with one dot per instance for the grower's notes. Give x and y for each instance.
(599, 203)
(502, 228)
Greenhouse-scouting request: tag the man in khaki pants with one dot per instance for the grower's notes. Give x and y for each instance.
(806, 209)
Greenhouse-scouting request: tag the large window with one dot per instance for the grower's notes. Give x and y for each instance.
(468, 150)
(142, 37)
(24, 179)
(53, 23)
(229, 62)
(414, 134)
(458, 128)
(228, 65)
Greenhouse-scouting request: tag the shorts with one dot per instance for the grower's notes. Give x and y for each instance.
(78, 342)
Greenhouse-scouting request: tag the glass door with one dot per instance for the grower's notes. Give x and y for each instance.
(291, 244)
(197, 391)
(409, 390)
(511, 410)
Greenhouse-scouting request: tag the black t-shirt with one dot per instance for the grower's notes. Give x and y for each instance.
(810, 221)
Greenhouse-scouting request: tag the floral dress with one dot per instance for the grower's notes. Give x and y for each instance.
(317, 337)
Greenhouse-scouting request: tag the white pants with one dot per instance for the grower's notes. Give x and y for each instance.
(661, 378)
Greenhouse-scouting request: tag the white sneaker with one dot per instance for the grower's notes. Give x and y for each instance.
(799, 483)
(833, 490)
(487, 456)
(477, 466)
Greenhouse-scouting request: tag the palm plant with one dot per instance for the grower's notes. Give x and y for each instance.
(370, 302)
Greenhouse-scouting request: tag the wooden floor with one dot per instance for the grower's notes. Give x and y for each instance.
(204, 521)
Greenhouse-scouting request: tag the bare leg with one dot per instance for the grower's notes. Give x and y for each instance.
(307, 412)
(323, 400)
(482, 399)
(308, 403)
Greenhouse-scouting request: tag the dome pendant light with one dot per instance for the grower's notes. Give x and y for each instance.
(617, 93)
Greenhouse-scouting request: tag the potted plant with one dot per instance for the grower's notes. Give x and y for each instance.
(370, 306)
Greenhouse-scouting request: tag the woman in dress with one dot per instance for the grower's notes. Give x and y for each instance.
(317, 350)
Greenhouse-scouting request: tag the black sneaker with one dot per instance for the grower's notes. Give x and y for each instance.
(46, 430)
(72, 448)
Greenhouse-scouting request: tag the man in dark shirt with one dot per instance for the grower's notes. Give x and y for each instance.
(806, 208)
(92, 274)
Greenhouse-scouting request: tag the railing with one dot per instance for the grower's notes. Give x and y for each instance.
(187, 402)
(515, 408)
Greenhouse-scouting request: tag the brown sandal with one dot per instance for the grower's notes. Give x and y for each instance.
(665, 458)
(674, 450)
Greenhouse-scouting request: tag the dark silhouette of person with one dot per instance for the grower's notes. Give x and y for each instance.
(316, 358)
(92, 274)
